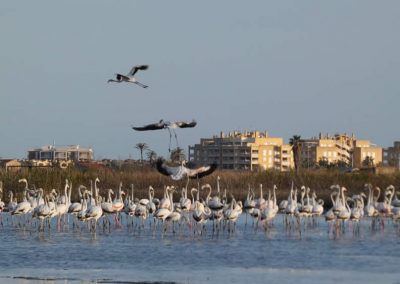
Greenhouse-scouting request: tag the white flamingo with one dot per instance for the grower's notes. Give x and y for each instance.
(63, 205)
(118, 203)
(151, 206)
(260, 201)
(23, 207)
(130, 76)
(369, 209)
(1, 194)
(174, 216)
(94, 211)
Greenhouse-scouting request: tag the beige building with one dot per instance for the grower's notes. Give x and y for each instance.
(250, 150)
(365, 154)
(11, 164)
(57, 153)
(339, 148)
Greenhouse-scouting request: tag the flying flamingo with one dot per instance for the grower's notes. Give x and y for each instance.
(179, 172)
(171, 126)
(130, 76)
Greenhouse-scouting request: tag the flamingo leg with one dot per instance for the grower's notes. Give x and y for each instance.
(140, 84)
(170, 138)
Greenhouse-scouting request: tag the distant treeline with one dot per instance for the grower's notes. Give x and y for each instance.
(235, 182)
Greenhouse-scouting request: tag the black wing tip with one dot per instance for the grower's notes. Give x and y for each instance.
(212, 168)
(160, 167)
(142, 67)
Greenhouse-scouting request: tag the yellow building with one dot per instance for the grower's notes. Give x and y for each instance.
(250, 150)
(366, 155)
(11, 164)
(339, 149)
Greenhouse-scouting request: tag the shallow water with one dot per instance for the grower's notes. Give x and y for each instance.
(313, 253)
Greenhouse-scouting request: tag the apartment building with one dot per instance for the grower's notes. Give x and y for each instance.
(366, 154)
(392, 155)
(249, 150)
(54, 153)
(339, 148)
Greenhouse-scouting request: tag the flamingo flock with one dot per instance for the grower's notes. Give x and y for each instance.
(39, 207)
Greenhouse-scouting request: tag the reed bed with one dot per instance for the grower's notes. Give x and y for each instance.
(235, 182)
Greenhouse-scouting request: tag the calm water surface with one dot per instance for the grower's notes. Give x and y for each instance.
(278, 255)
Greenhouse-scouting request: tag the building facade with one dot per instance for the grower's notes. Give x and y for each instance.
(392, 155)
(340, 149)
(252, 150)
(57, 153)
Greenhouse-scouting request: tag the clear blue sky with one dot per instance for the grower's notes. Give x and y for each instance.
(288, 67)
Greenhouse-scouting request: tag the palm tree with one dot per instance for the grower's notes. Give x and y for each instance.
(295, 142)
(177, 154)
(368, 162)
(152, 156)
(141, 147)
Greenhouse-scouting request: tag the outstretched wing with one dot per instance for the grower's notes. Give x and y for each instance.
(176, 173)
(153, 126)
(136, 68)
(202, 171)
(185, 124)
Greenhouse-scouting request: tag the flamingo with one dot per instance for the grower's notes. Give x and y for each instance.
(118, 203)
(260, 201)
(171, 126)
(165, 202)
(200, 214)
(329, 215)
(130, 204)
(107, 207)
(12, 204)
(75, 207)
(185, 202)
(369, 209)
(318, 206)
(2, 204)
(94, 211)
(130, 76)
(396, 200)
(62, 205)
(23, 207)
(179, 172)
(164, 210)
(270, 211)
(151, 206)
(43, 211)
(141, 212)
(1, 194)
(174, 216)
(213, 203)
(232, 214)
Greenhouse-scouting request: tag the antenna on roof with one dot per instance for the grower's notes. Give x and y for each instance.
(54, 142)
